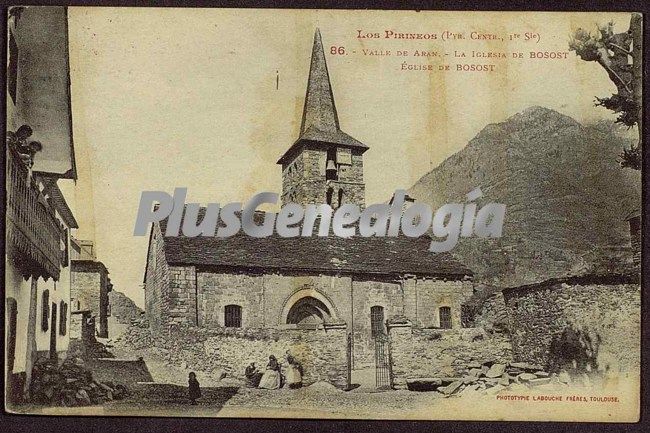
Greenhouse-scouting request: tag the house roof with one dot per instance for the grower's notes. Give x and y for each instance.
(363, 255)
(52, 190)
(320, 121)
(88, 266)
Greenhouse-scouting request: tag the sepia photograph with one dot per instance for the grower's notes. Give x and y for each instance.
(323, 214)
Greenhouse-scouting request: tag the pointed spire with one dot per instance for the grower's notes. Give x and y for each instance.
(319, 110)
(320, 122)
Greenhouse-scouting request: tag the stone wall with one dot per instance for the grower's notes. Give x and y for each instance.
(322, 352)
(84, 291)
(588, 322)
(89, 291)
(156, 281)
(492, 313)
(419, 352)
(181, 295)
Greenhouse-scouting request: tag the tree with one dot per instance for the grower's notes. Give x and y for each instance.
(613, 52)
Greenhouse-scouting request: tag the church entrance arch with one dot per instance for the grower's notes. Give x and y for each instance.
(308, 307)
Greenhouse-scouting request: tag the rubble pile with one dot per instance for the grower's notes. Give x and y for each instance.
(490, 378)
(70, 384)
(123, 309)
(96, 349)
(137, 336)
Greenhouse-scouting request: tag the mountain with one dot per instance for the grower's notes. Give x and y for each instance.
(123, 308)
(566, 196)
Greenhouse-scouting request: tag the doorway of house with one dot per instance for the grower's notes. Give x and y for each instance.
(53, 332)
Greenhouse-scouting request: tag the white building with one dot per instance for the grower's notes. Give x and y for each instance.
(38, 219)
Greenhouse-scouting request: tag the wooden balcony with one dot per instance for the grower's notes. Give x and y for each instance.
(34, 234)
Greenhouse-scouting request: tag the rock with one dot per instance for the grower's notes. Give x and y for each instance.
(469, 389)
(539, 381)
(526, 366)
(542, 374)
(564, 377)
(83, 397)
(474, 364)
(525, 377)
(449, 380)
(469, 379)
(475, 372)
(105, 387)
(505, 380)
(496, 370)
(452, 387)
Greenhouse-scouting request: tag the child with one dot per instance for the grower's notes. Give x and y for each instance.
(194, 388)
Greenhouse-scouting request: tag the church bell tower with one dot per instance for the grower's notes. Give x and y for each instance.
(324, 165)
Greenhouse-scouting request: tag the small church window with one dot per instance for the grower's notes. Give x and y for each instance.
(232, 316)
(340, 197)
(445, 317)
(330, 193)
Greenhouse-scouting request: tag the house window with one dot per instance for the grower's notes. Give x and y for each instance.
(232, 316)
(63, 321)
(445, 317)
(45, 322)
(377, 320)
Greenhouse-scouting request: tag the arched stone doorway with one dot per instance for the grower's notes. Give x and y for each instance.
(308, 311)
(308, 307)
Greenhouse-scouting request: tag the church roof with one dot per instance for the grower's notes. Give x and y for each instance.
(362, 255)
(320, 121)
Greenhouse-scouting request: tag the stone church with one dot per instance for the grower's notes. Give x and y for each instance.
(357, 283)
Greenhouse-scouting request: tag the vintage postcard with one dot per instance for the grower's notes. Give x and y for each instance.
(323, 214)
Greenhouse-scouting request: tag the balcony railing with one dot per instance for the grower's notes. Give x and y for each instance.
(32, 228)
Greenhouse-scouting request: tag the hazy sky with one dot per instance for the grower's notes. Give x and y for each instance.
(187, 97)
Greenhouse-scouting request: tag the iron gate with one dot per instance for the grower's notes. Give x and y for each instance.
(349, 356)
(383, 362)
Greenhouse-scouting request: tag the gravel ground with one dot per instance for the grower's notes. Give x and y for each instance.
(319, 400)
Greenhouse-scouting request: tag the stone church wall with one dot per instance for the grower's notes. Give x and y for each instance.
(600, 315)
(432, 294)
(157, 284)
(200, 296)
